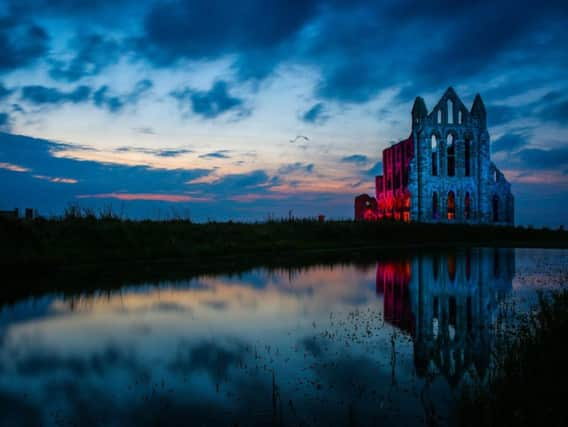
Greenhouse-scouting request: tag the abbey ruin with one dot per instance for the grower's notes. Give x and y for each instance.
(442, 172)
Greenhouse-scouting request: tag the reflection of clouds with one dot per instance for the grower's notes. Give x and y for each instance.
(245, 298)
(38, 363)
(216, 305)
(211, 357)
(165, 306)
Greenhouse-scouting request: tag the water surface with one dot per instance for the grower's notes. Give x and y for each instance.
(389, 342)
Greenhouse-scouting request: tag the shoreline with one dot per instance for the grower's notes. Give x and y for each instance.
(65, 255)
(85, 241)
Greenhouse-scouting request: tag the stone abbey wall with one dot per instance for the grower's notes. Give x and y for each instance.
(443, 171)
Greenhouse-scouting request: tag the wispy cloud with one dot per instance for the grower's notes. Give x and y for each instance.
(220, 154)
(316, 114)
(297, 167)
(173, 198)
(13, 168)
(103, 97)
(145, 130)
(160, 152)
(355, 158)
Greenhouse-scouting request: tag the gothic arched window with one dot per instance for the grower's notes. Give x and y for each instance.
(451, 205)
(434, 155)
(451, 149)
(467, 206)
(450, 111)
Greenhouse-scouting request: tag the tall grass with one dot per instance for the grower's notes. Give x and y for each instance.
(85, 236)
(527, 386)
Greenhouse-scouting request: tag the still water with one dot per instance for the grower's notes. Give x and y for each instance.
(385, 343)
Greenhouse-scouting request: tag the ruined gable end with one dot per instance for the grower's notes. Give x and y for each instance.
(443, 171)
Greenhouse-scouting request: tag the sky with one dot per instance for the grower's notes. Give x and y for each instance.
(193, 109)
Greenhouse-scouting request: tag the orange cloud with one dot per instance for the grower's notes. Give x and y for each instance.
(174, 198)
(13, 168)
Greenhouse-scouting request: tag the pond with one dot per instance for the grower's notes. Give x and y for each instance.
(383, 343)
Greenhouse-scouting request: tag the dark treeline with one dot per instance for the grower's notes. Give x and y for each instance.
(88, 240)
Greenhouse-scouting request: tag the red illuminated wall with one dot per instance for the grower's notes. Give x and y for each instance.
(393, 282)
(393, 197)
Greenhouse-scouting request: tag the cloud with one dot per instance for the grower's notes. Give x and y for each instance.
(355, 158)
(4, 121)
(155, 151)
(221, 154)
(508, 143)
(297, 167)
(56, 179)
(142, 189)
(173, 152)
(42, 95)
(92, 54)
(536, 158)
(34, 172)
(212, 103)
(501, 114)
(172, 198)
(249, 180)
(145, 130)
(555, 112)
(316, 114)
(115, 103)
(186, 29)
(12, 167)
(20, 44)
(4, 92)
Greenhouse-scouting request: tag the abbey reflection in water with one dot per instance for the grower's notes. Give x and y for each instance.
(447, 303)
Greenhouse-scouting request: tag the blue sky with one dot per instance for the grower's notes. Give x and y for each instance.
(185, 107)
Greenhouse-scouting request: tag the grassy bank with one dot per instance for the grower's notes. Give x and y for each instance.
(528, 384)
(90, 240)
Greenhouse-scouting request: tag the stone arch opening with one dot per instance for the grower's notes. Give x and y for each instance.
(439, 117)
(434, 148)
(467, 206)
(451, 154)
(460, 117)
(451, 205)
